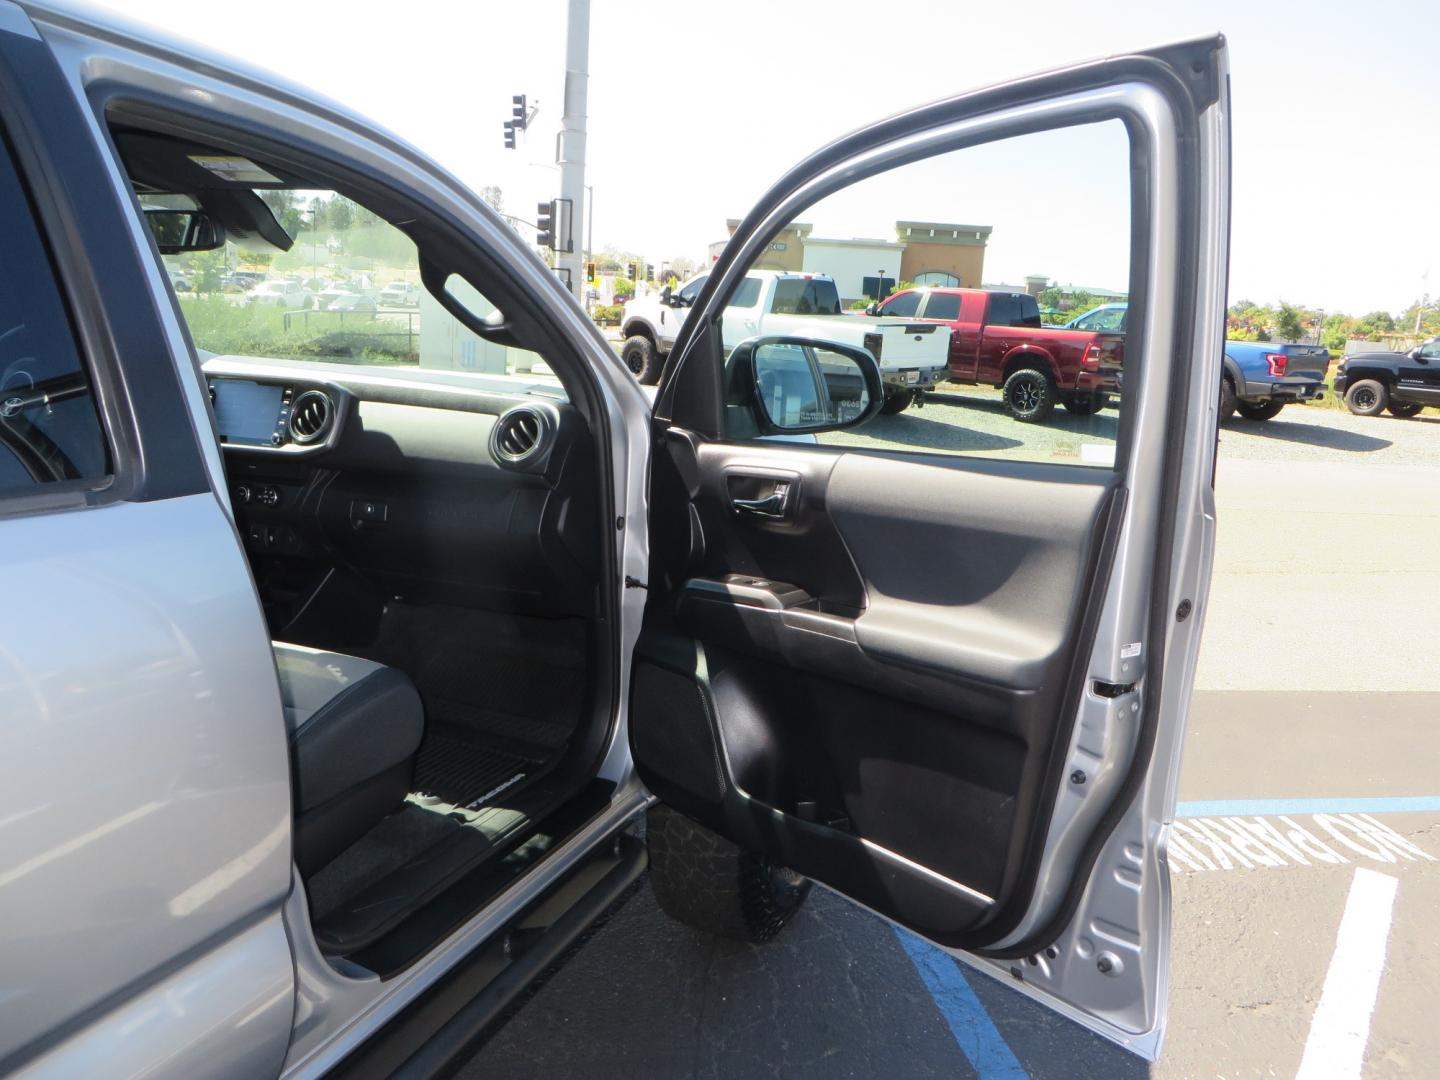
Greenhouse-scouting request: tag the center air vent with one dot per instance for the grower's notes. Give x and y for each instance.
(519, 435)
(311, 417)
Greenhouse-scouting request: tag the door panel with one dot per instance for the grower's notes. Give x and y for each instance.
(936, 661)
(145, 821)
(879, 729)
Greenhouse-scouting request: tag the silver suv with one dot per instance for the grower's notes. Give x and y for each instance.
(344, 658)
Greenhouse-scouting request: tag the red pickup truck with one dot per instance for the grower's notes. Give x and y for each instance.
(996, 339)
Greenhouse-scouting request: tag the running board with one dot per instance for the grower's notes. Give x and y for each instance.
(434, 1035)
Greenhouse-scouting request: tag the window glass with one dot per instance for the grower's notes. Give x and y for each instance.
(943, 306)
(49, 429)
(692, 290)
(1431, 350)
(902, 306)
(1011, 383)
(348, 291)
(747, 294)
(806, 296)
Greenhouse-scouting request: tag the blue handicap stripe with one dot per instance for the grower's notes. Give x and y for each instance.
(1403, 804)
(990, 1055)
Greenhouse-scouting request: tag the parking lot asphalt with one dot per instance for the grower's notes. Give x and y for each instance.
(1313, 728)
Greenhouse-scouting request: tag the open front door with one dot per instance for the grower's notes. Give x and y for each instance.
(937, 652)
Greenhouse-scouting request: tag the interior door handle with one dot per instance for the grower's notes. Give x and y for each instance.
(773, 505)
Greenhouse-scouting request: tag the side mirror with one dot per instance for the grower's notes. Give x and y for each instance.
(1414, 353)
(665, 297)
(873, 308)
(801, 385)
(178, 231)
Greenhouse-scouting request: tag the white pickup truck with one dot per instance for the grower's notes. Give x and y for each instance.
(912, 356)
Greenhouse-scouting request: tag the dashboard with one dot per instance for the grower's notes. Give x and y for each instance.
(352, 486)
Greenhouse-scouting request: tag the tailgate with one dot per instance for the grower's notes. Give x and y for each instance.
(1307, 361)
(909, 344)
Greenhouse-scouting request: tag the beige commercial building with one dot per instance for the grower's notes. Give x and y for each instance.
(925, 252)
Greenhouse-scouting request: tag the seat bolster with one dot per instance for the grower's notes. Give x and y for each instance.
(370, 727)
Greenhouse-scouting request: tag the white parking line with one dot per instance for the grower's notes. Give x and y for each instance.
(1340, 1028)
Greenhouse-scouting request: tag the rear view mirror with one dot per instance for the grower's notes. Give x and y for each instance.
(802, 385)
(178, 231)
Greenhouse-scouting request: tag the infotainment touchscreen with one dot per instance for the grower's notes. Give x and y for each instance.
(247, 412)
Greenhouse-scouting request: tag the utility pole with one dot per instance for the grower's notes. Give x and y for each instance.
(570, 149)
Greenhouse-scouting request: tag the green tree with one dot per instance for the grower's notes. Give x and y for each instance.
(1375, 324)
(1288, 322)
(624, 289)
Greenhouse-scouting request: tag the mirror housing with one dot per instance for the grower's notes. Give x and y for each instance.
(179, 231)
(801, 385)
(1414, 353)
(873, 308)
(667, 298)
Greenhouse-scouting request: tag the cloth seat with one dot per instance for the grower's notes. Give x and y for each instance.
(355, 728)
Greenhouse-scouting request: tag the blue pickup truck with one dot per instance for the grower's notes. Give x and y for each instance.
(1261, 377)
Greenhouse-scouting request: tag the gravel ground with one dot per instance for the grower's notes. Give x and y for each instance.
(968, 419)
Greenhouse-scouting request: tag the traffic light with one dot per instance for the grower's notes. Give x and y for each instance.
(589, 271)
(518, 112)
(630, 271)
(649, 271)
(509, 134)
(545, 223)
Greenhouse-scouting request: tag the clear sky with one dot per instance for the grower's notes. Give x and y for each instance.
(695, 108)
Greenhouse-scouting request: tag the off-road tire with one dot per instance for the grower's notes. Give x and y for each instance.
(641, 357)
(1227, 397)
(703, 880)
(1404, 410)
(897, 403)
(1083, 404)
(1368, 397)
(1266, 410)
(1029, 395)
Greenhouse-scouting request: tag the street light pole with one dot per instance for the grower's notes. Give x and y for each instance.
(570, 155)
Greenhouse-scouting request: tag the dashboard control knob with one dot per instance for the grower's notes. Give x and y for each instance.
(276, 439)
(267, 496)
(242, 493)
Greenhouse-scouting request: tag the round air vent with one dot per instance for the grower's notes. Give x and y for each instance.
(311, 417)
(519, 435)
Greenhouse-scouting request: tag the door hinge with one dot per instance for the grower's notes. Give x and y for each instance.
(635, 583)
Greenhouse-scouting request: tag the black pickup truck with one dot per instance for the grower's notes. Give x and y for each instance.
(1404, 382)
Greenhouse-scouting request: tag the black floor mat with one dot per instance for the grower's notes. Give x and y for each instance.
(462, 771)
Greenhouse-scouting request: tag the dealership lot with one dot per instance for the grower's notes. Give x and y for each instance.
(1314, 713)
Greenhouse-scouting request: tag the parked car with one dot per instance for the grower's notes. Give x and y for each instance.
(912, 356)
(351, 302)
(285, 295)
(1259, 378)
(255, 637)
(400, 294)
(181, 282)
(1402, 383)
(1106, 319)
(242, 281)
(996, 339)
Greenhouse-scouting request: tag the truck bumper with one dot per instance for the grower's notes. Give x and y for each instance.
(914, 378)
(1286, 390)
(1088, 382)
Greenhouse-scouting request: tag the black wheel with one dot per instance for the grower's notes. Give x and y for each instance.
(705, 881)
(1029, 395)
(1264, 411)
(1227, 398)
(1368, 397)
(897, 403)
(640, 357)
(1082, 404)
(1404, 409)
